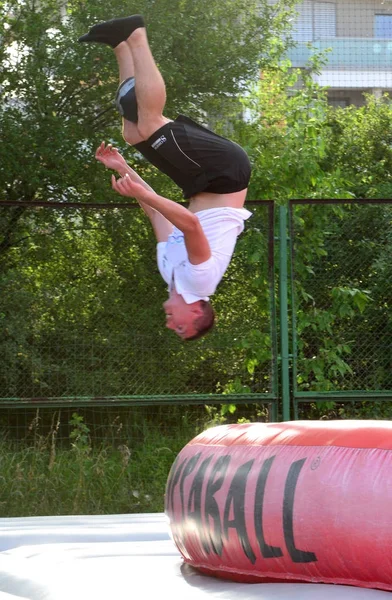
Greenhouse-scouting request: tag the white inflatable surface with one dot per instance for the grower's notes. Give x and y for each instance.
(123, 557)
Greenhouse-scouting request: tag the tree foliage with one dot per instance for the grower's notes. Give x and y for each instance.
(58, 94)
(303, 148)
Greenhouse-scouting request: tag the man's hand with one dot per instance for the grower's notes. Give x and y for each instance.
(127, 187)
(111, 158)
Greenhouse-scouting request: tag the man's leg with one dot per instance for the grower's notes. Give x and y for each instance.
(127, 70)
(149, 85)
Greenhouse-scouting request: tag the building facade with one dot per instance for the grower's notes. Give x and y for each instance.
(357, 35)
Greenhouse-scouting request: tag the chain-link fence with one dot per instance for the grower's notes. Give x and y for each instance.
(342, 317)
(82, 319)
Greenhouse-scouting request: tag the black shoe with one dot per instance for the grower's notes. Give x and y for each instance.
(113, 32)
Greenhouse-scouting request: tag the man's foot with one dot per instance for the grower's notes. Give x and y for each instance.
(113, 32)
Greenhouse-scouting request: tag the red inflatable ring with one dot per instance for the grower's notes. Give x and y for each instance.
(298, 501)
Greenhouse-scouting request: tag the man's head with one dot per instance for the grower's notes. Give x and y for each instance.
(189, 321)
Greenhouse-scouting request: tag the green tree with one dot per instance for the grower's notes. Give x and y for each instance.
(303, 148)
(361, 146)
(288, 136)
(58, 94)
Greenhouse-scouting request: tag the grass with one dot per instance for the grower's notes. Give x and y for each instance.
(43, 476)
(97, 461)
(102, 481)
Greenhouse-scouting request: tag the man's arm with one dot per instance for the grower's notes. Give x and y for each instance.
(161, 225)
(196, 242)
(112, 159)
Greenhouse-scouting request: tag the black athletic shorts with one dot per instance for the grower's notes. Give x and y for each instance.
(196, 158)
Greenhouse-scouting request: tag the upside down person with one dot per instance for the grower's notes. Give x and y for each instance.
(195, 244)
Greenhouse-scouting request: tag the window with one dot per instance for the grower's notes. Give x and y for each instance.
(383, 26)
(338, 102)
(315, 20)
(324, 20)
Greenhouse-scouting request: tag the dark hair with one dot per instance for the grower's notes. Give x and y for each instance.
(204, 323)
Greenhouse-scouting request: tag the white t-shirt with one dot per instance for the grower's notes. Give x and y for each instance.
(221, 227)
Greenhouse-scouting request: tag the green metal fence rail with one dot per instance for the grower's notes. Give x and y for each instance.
(82, 320)
(283, 314)
(341, 268)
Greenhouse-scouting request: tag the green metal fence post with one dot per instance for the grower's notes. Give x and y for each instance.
(284, 321)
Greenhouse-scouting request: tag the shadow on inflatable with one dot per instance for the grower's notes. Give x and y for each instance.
(209, 587)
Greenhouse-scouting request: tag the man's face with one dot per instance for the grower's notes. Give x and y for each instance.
(180, 316)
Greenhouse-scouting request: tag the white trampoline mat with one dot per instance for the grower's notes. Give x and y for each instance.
(123, 557)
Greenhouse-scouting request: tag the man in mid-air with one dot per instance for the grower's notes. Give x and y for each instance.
(195, 244)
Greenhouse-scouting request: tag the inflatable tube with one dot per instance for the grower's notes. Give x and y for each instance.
(306, 501)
